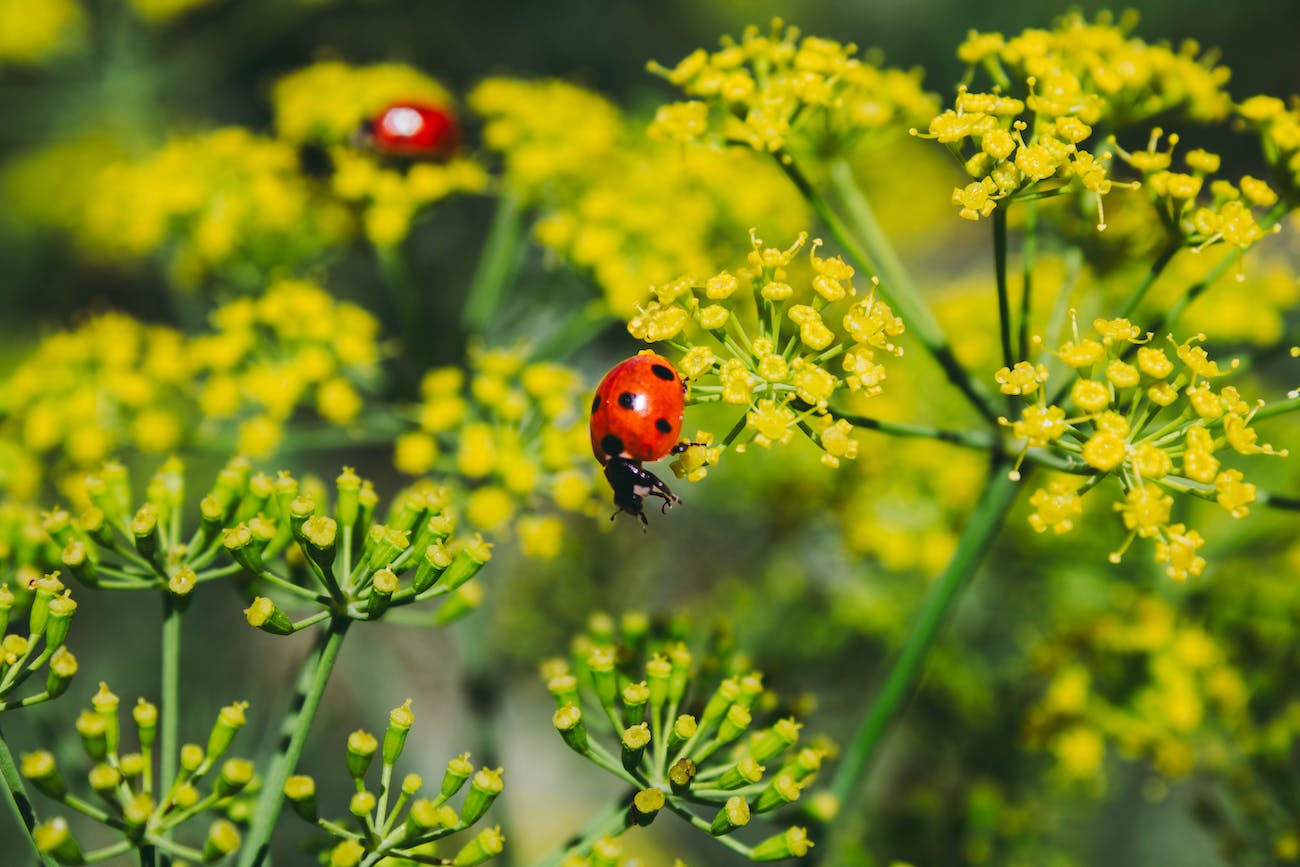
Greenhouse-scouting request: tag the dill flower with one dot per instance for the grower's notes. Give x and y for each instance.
(267, 356)
(630, 209)
(1159, 423)
(33, 35)
(411, 815)
(781, 90)
(39, 643)
(512, 433)
(743, 342)
(128, 780)
(709, 751)
(1278, 128)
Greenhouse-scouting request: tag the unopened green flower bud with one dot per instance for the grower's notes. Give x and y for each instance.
(680, 658)
(185, 795)
(646, 804)
(362, 804)
(300, 790)
(600, 663)
(411, 784)
(722, 699)
(367, 500)
(105, 779)
(734, 723)
(487, 784)
(805, 762)
(568, 721)
(460, 603)
(745, 772)
(182, 582)
(144, 528)
(657, 671)
(191, 757)
(62, 668)
(346, 507)
(751, 687)
(383, 584)
(458, 771)
(131, 765)
(635, 738)
(426, 815)
(565, 689)
(681, 774)
(400, 720)
(361, 749)
(235, 775)
(487, 844)
(93, 729)
(223, 839)
(58, 620)
(467, 562)
(104, 703)
(256, 494)
(230, 719)
(683, 730)
(319, 533)
(239, 544)
(58, 524)
(265, 615)
(54, 838)
(6, 607)
(347, 854)
(734, 814)
(776, 739)
(39, 767)
(635, 696)
(137, 810)
(76, 557)
(784, 789)
(47, 587)
(430, 567)
(794, 843)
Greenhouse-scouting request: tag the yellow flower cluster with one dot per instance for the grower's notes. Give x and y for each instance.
(1278, 128)
(633, 211)
(1157, 423)
(266, 355)
(782, 91)
(226, 201)
(35, 33)
(770, 355)
(1179, 700)
(81, 394)
(513, 432)
(1098, 66)
(1230, 215)
(1027, 137)
(326, 104)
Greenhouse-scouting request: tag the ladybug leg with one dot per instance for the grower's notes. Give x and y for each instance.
(632, 483)
(683, 446)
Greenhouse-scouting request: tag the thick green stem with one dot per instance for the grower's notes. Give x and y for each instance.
(19, 803)
(1028, 258)
(169, 698)
(497, 265)
(293, 737)
(985, 521)
(864, 241)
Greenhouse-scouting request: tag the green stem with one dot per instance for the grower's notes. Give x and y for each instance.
(497, 265)
(970, 439)
(169, 698)
(1000, 273)
(293, 736)
(19, 802)
(1153, 273)
(896, 284)
(1028, 257)
(985, 521)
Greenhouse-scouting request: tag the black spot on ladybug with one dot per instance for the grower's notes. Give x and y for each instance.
(663, 372)
(627, 400)
(662, 425)
(595, 404)
(611, 445)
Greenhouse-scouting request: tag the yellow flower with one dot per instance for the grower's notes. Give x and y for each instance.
(1178, 549)
(1146, 509)
(1039, 425)
(1056, 506)
(1234, 494)
(1022, 379)
(32, 34)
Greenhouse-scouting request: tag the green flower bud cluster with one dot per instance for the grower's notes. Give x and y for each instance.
(129, 800)
(699, 749)
(402, 820)
(120, 543)
(26, 650)
(347, 562)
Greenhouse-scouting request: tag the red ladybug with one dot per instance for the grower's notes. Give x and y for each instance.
(413, 129)
(636, 416)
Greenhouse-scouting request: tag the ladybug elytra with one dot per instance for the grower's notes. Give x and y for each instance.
(636, 416)
(413, 129)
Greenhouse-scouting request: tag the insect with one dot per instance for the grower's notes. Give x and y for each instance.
(412, 129)
(636, 416)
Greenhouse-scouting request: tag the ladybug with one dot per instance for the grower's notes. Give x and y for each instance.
(412, 129)
(636, 416)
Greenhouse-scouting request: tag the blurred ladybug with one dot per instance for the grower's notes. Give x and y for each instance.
(636, 416)
(414, 130)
